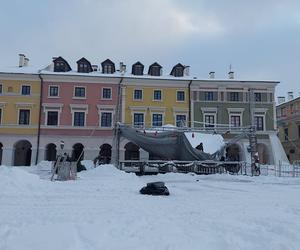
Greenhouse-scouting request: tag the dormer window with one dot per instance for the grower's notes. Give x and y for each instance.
(137, 69)
(84, 66)
(61, 65)
(108, 67)
(154, 70)
(178, 70)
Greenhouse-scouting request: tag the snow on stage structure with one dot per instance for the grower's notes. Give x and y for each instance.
(172, 143)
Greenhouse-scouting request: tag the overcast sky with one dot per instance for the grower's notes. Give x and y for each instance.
(259, 38)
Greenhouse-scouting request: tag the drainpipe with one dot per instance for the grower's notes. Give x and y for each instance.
(117, 120)
(39, 125)
(190, 112)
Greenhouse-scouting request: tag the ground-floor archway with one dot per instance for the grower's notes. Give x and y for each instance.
(51, 152)
(132, 152)
(233, 153)
(105, 153)
(263, 154)
(1, 152)
(77, 152)
(22, 153)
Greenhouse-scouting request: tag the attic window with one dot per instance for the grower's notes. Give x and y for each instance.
(178, 72)
(138, 70)
(108, 69)
(59, 67)
(155, 71)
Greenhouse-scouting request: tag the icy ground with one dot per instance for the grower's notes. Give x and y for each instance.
(104, 210)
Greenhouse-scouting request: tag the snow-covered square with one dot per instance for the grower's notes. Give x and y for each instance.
(103, 209)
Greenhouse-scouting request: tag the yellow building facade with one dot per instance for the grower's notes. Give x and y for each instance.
(19, 117)
(155, 102)
(152, 102)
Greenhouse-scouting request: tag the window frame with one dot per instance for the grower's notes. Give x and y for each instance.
(263, 123)
(25, 85)
(214, 122)
(133, 120)
(157, 100)
(232, 96)
(184, 97)
(176, 120)
(240, 120)
(100, 122)
(46, 118)
(49, 91)
(141, 92)
(258, 94)
(79, 97)
(1, 115)
(102, 93)
(73, 118)
(152, 119)
(29, 120)
(208, 94)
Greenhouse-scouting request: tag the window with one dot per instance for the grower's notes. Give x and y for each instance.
(208, 96)
(106, 93)
(52, 118)
(259, 123)
(106, 119)
(24, 116)
(157, 120)
(234, 96)
(155, 71)
(209, 121)
(80, 92)
(157, 95)
(180, 120)
(286, 134)
(108, 69)
(53, 91)
(138, 119)
(138, 70)
(25, 90)
(180, 96)
(235, 121)
(0, 88)
(138, 94)
(257, 97)
(79, 118)
(298, 131)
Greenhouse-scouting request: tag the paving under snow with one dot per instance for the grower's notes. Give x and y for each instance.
(104, 210)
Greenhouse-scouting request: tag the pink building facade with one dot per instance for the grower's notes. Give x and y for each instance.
(79, 110)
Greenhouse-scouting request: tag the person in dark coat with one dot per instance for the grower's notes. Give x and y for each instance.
(200, 147)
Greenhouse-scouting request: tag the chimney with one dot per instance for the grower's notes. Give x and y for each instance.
(186, 71)
(230, 75)
(95, 67)
(122, 67)
(211, 75)
(21, 60)
(281, 99)
(290, 95)
(26, 62)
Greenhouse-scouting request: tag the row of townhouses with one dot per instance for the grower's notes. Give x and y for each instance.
(39, 108)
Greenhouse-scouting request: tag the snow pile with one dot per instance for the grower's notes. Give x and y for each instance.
(211, 142)
(104, 210)
(14, 180)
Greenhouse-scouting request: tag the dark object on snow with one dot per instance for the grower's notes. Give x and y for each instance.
(200, 147)
(155, 188)
(80, 167)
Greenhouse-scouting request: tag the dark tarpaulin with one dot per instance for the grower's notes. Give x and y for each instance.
(169, 145)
